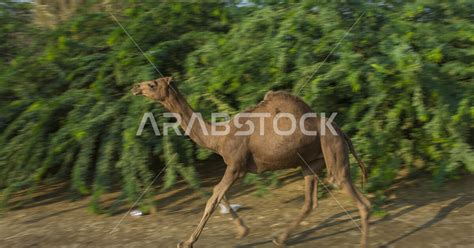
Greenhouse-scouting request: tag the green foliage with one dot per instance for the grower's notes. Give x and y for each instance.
(401, 81)
(178, 153)
(262, 182)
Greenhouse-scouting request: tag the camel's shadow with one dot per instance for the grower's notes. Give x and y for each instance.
(396, 209)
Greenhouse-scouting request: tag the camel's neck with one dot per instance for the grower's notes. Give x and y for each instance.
(198, 129)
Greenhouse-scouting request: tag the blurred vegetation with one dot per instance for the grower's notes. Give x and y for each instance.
(401, 81)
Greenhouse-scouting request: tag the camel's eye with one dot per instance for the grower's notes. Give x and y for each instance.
(152, 85)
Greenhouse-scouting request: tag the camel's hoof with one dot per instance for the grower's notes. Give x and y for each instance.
(184, 245)
(243, 232)
(278, 241)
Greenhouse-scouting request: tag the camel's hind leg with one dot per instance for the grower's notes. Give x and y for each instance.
(364, 209)
(242, 229)
(336, 156)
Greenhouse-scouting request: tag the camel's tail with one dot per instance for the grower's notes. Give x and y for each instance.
(360, 162)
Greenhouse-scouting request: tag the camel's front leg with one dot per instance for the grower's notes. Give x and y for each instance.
(242, 229)
(218, 193)
(307, 207)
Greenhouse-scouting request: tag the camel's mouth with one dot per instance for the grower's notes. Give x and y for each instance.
(136, 90)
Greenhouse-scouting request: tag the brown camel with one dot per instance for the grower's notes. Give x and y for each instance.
(256, 153)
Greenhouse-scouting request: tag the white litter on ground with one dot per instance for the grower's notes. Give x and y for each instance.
(136, 213)
(234, 207)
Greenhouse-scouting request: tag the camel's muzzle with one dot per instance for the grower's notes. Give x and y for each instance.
(136, 90)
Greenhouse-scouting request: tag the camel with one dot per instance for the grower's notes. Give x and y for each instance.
(256, 153)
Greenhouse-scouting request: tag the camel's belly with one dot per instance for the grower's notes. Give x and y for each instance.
(258, 166)
(283, 156)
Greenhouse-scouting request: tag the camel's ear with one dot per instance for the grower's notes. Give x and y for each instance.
(166, 79)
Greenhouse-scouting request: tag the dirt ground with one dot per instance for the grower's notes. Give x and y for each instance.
(416, 216)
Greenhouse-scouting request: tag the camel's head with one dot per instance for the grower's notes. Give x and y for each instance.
(157, 89)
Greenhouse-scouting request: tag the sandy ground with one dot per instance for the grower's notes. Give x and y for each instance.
(417, 216)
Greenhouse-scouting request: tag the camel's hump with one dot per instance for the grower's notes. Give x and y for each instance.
(274, 97)
(279, 94)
